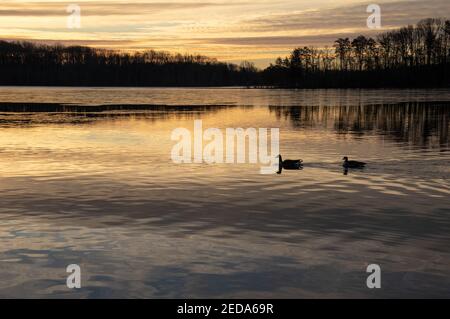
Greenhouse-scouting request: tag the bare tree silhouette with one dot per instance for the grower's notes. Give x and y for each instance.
(412, 56)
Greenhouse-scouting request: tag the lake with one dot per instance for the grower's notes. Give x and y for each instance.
(86, 177)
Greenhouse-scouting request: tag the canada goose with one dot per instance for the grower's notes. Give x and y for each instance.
(352, 164)
(289, 164)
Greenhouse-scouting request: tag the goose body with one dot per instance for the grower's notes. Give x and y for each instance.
(353, 164)
(289, 164)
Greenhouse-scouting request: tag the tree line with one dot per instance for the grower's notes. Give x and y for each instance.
(416, 55)
(25, 63)
(412, 56)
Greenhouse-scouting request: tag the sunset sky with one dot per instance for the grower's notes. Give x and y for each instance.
(229, 30)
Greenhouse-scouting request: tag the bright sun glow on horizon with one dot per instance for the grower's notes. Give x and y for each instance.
(229, 30)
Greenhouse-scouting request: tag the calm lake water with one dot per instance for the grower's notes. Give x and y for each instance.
(86, 178)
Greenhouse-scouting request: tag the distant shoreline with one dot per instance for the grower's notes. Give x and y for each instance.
(415, 56)
(228, 87)
(37, 107)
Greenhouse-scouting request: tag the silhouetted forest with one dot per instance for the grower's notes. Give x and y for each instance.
(412, 56)
(25, 63)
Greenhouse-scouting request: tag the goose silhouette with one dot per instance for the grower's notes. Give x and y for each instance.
(352, 164)
(289, 164)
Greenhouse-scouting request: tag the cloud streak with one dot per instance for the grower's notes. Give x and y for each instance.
(394, 14)
(49, 9)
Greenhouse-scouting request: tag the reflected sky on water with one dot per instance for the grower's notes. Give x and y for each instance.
(96, 186)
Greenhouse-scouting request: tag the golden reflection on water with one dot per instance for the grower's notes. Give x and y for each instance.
(102, 191)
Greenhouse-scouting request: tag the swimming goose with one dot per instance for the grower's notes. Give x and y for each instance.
(352, 164)
(289, 164)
